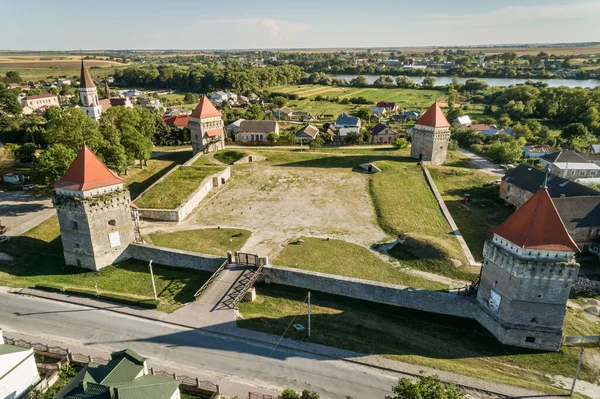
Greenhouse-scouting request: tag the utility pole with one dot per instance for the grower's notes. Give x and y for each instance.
(152, 277)
(576, 373)
(308, 314)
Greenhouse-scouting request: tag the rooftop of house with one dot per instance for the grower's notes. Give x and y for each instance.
(180, 120)
(595, 148)
(122, 378)
(385, 104)
(265, 126)
(481, 127)
(537, 225)
(87, 172)
(38, 96)
(539, 149)
(464, 120)
(433, 117)
(309, 130)
(579, 212)
(531, 179)
(565, 156)
(205, 109)
(85, 80)
(378, 128)
(347, 120)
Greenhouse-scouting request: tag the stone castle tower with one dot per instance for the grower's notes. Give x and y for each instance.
(527, 275)
(206, 128)
(94, 213)
(430, 136)
(88, 94)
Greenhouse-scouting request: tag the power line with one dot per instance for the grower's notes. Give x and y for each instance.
(287, 328)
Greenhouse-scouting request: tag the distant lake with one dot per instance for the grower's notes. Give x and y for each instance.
(502, 82)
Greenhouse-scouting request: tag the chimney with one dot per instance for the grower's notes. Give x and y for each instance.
(562, 196)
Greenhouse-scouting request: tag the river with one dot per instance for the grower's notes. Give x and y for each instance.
(502, 82)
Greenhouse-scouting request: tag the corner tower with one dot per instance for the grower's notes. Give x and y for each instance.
(527, 274)
(430, 137)
(93, 212)
(88, 94)
(206, 128)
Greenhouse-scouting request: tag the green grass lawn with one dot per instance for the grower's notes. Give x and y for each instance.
(346, 259)
(229, 156)
(139, 179)
(432, 340)
(485, 209)
(38, 259)
(174, 190)
(207, 241)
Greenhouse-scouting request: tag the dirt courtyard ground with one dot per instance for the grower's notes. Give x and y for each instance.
(279, 203)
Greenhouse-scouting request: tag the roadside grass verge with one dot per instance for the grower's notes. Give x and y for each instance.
(38, 259)
(345, 259)
(484, 210)
(139, 179)
(207, 241)
(432, 340)
(229, 156)
(173, 191)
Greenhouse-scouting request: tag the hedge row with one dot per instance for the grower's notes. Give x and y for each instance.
(143, 303)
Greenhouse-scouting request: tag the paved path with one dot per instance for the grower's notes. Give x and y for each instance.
(231, 354)
(483, 163)
(21, 211)
(226, 287)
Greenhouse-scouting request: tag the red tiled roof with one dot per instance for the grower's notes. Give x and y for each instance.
(214, 132)
(537, 225)
(40, 96)
(433, 117)
(87, 172)
(481, 127)
(384, 104)
(85, 80)
(177, 120)
(205, 109)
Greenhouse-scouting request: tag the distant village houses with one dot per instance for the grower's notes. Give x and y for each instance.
(251, 131)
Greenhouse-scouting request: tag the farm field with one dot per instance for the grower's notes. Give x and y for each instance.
(207, 241)
(173, 190)
(443, 342)
(39, 260)
(47, 72)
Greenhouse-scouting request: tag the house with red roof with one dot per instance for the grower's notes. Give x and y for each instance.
(430, 136)
(206, 128)
(178, 122)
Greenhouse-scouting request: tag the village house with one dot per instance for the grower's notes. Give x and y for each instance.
(573, 166)
(283, 113)
(220, 96)
(378, 112)
(346, 124)
(409, 115)
(464, 120)
(307, 134)
(125, 376)
(303, 116)
(250, 131)
(389, 106)
(177, 122)
(383, 134)
(537, 151)
(233, 127)
(63, 82)
(581, 217)
(18, 372)
(38, 101)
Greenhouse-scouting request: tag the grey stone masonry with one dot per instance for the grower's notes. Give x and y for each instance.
(175, 257)
(525, 297)
(430, 144)
(96, 230)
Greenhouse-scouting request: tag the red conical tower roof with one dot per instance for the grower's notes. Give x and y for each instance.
(85, 80)
(87, 172)
(433, 117)
(537, 225)
(205, 109)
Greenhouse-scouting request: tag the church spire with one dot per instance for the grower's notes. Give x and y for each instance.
(85, 80)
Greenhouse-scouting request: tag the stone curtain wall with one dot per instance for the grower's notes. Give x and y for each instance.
(175, 258)
(178, 214)
(246, 159)
(429, 301)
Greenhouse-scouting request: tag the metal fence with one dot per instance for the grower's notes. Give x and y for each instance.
(254, 395)
(247, 259)
(210, 280)
(192, 382)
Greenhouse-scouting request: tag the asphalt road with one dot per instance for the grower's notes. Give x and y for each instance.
(21, 211)
(192, 349)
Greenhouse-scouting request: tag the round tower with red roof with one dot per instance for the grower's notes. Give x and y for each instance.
(431, 136)
(94, 213)
(528, 270)
(206, 128)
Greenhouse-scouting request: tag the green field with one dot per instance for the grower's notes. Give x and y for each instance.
(346, 259)
(38, 259)
(139, 179)
(431, 340)
(207, 241)
(173, 190)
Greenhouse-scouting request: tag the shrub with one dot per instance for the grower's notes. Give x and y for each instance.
(401, 143)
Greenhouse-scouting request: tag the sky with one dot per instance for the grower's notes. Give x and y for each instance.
(255, 24)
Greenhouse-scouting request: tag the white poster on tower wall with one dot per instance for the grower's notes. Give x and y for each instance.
(114, 239)
(494, 302)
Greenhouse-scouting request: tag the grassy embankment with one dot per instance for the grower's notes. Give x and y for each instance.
(38, 259)
(207, 241)
(140, 179)
(443, 342)
(172, 192)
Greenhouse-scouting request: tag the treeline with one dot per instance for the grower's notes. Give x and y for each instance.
(207, 78)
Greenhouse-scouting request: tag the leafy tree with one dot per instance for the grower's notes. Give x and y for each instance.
(272, 137)
(362, 112)
(9, 101)
(13, 77)
(404, 82)
(472, 85)
(316, 143)
(72, 128)
(591, 118)
(26, 153)
(279, 101)
(190, 98)
(428, 387)
(454, 113)
(255, 112)
(428, 82)
(400, 143)
(359, 81)
(577, 136)
(384, 81)
(352, 138)
(505, 151)
(306, 394)
(289, 394)
(53, 163)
